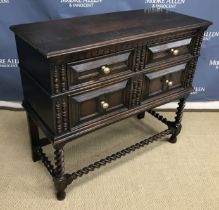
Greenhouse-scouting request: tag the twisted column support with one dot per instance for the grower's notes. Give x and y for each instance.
(59, 178)
(176, 126)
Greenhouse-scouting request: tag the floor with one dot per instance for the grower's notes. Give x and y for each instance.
(163, 176)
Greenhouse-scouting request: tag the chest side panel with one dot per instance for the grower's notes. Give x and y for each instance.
(34, 64)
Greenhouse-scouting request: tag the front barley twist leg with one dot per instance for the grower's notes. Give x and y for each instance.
(59, 178)
(176, 125)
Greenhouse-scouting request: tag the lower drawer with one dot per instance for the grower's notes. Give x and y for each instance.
(164, 80)
(90, 105)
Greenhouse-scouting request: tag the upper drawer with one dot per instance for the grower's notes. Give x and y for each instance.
(99, 70)
(169, 50)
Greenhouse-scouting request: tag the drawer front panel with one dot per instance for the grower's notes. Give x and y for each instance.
(164, 80)
(90, 105)
(99, 70)
(170, 49)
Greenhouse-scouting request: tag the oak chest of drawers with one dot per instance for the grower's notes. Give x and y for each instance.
(84, 73)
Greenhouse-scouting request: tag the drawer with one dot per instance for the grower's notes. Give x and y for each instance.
(90, 71)
(89, 105)
(163, 80)
(169, 50)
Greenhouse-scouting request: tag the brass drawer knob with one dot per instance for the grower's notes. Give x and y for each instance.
(174, 51)
(169, 83)
(104, 105)
(105, 70)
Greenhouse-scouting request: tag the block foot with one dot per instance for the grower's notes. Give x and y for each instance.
(141, 115)
(173, 139)
(60, 195)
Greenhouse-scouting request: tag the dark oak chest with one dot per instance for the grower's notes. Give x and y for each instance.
(84, 73)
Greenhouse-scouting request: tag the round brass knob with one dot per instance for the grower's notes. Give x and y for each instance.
(105, 70)
(174, 51)
(169, 83)
(104, 105)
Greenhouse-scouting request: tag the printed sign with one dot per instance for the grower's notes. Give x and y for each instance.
(8, 62)
(165, 4)
(81, 3)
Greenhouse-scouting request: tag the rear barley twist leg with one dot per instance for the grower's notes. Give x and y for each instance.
(34, 138)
